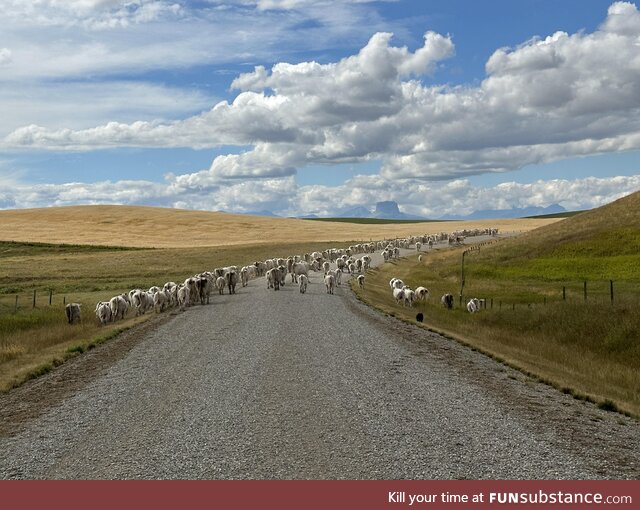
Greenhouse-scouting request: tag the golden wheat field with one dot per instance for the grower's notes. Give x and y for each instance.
(153, 227)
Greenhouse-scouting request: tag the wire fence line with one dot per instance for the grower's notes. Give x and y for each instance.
(30, 299)
(584, 291)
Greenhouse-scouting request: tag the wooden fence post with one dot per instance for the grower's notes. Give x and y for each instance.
(564, 293)
(50, 296)
(611, 290)
(585, 290)
(34, 298)
(16, 308)
(64, 300)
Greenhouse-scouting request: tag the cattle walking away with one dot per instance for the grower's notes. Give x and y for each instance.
(72, 311)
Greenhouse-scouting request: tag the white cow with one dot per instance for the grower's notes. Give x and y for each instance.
(194, 295)
(422, 294)
(473, 305)
(397, 283)
(160, 301)
(398, 295)
(409, 296)
(298, 269)
(338, 276)
(142, 301)
(221, 283)
(303, 281)
(119, 307)
(330, 283)
(231, 279)
(103, 312)
(183, 296)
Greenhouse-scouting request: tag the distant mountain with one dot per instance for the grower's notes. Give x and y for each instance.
(389, 210)
(355, 212)
(262, 213)
(516, 212)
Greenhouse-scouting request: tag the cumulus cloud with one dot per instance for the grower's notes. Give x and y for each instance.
(5, 56)
(265, 5)
(95, 14)
(65, 49)
(285, 197)
(60, 39)
(76, 104)
(562, 96)
(459, 197)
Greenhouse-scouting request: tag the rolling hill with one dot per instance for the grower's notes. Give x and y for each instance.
(599, 243)
(137, 226)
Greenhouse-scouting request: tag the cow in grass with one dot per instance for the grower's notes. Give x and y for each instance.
(72, 310)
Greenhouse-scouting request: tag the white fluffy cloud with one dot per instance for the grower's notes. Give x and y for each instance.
(82, 103)
(550, 98)
(65, 49)
(5, 56)
(284, 197)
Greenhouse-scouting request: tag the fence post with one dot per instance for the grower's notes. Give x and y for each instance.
(514, 306)
(34, 298)
(611, 289)
(492, 303)
(585, 290)
(64, 300)
(50, 296)
(564, 293)
(16, 308)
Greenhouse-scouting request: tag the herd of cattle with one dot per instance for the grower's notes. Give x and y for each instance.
(354, 260)
(404, 294)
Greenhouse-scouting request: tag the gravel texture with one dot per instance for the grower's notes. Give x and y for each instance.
(282, 385)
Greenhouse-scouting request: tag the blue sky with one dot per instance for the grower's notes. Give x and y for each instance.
(301, 107)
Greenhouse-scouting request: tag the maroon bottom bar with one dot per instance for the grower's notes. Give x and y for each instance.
(370, 495)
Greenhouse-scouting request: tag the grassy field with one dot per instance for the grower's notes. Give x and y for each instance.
(89, 254)
(589, 348)
(154, 227)
(33, 340)
(96, 252)
(566, 214)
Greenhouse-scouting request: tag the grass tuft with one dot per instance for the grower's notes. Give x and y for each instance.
(608, 405)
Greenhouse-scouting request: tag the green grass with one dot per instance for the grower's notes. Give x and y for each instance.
(14, 248)
(33, 340)
(590, 348)
(566, 214)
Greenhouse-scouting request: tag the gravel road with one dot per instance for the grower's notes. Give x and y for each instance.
(268, 384)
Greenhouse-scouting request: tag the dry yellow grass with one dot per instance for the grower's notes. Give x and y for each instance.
(147, 227)
(185, 242)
